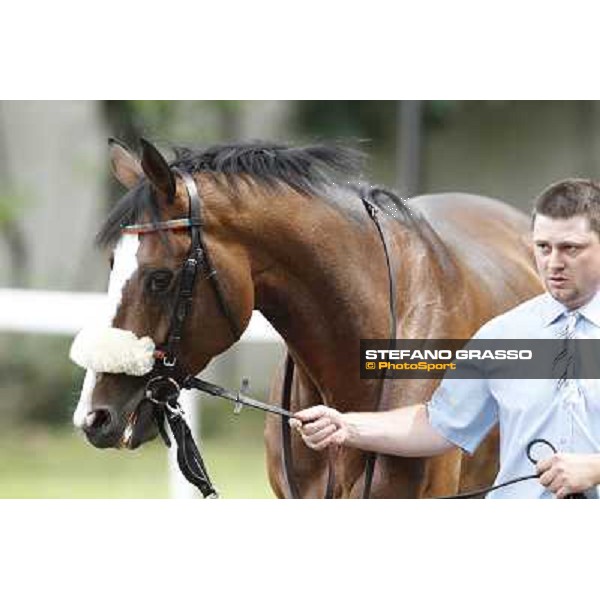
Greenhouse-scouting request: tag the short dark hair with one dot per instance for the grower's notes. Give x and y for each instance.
(570, 198)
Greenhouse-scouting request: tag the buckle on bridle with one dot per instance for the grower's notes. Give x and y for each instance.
(169, 362)
(162, 390)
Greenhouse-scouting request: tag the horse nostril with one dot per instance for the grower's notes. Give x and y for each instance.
(97, 420)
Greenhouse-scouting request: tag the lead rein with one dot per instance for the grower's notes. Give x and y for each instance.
(239, 398)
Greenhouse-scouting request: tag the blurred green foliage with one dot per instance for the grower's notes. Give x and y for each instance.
(9, 208)
(375, 121)
(363, 120)
(38, 384)
(195, 123)
(13, 204)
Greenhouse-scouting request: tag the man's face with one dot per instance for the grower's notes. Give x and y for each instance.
(567, 253)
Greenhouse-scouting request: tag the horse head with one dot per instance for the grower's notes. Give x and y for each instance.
(154, 230)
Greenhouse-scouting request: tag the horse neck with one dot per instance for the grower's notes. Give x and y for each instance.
(434, 288)
(321, 279)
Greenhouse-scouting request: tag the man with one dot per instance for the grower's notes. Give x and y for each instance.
(566, 238)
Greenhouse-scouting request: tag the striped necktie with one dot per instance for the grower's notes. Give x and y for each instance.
(564, 362)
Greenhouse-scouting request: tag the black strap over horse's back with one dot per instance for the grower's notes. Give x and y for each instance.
(373, 211)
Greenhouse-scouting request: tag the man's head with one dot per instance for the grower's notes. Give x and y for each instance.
(566, 237)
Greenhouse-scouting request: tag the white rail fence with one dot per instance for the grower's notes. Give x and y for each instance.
(65, 313)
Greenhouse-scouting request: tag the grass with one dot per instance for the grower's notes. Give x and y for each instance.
(49, 463)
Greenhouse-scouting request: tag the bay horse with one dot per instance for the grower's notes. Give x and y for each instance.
(288, 235)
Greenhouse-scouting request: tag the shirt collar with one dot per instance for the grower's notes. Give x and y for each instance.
(553, 310)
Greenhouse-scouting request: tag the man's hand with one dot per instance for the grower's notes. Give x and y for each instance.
(565, 474)
(320, 427)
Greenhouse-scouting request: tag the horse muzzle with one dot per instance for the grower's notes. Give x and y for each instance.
(105, 428)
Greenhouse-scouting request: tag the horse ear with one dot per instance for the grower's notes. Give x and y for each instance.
(157, 170)
(125, 166)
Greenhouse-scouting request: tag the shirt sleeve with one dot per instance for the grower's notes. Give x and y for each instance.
(464, 410)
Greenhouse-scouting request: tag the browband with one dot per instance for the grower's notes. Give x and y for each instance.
(140, 228)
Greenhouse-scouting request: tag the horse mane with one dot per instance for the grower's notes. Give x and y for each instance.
(311, 170)
(308, 170)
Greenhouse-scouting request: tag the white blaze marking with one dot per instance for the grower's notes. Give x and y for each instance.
(124, 266)
(84, 406)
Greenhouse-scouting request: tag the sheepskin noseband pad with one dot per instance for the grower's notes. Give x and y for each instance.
(112, 350)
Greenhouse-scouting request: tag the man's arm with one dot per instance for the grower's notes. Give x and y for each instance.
(404, 431)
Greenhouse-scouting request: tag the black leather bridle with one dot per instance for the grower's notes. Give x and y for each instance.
(167, 378)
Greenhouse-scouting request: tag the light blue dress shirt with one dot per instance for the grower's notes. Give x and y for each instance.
(568, 416)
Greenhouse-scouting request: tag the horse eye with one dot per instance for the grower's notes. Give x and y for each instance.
(111, 262)
(159, 281)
